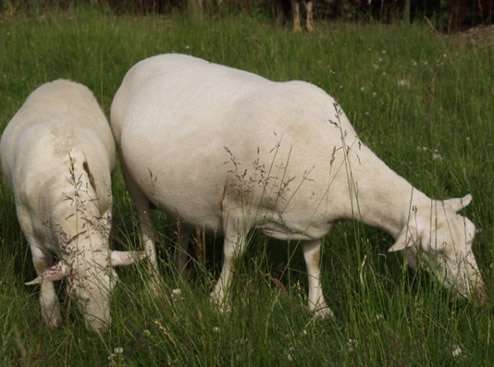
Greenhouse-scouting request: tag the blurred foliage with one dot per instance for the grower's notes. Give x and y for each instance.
(444, 14)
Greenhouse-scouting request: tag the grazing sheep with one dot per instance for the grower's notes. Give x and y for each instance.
(229, 151)
(57, 154)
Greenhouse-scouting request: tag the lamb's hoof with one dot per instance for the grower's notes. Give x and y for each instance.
(52, 319)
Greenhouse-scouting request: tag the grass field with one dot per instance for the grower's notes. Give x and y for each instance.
(424, 104)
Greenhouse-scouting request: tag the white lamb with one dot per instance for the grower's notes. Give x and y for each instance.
(229, 151)
(57, 154)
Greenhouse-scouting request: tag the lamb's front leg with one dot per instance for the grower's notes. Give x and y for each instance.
(50, 308)
(312, 256)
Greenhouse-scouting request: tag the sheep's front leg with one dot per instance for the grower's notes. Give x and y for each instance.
(146, 229)
(50, 308)
(233, 248)
(312, 256)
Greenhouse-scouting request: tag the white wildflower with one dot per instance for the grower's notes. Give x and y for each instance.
(352, 344)
(379, 316)
(403, 83)
(456, 352)
(216, 330)
(118, 350)
(436, 156)
(177, 293)
(289, 355)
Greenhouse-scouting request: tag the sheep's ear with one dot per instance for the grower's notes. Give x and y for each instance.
(459, 203)
(56, 272)
(403, 240)
(123, 258)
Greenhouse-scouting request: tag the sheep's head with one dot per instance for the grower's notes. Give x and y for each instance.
(90, 280)
(442, 240)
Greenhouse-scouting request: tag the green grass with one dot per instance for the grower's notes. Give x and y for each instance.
(409, 94)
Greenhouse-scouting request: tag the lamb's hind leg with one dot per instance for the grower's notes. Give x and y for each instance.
(312, 256)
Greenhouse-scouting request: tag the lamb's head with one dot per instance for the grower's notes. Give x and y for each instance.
(441, 239)
(90, 279)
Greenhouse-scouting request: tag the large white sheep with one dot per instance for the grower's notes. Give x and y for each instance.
(229, 151)
(57, 154)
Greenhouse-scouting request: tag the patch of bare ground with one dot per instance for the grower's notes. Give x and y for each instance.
(480, 36)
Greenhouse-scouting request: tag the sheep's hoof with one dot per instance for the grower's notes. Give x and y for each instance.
(323, 312)
(220, 303)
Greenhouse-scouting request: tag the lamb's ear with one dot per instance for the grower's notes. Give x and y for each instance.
(56, 272)
(459, 203)
(123, 258)
(404, 239)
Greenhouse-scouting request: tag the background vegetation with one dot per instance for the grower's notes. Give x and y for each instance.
(445, 14)
(422, 102)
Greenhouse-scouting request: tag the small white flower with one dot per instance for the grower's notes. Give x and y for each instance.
(379, 316)
(216, 330)
(304, 332)
(177, 291)
(118, 350)
(362, 89)
(352, 344)
(187, 47)
(403, 83)
(289, 354)
(456, 352)
(147, 332)
(436, 156)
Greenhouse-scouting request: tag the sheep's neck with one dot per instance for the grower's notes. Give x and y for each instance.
(380, 197)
